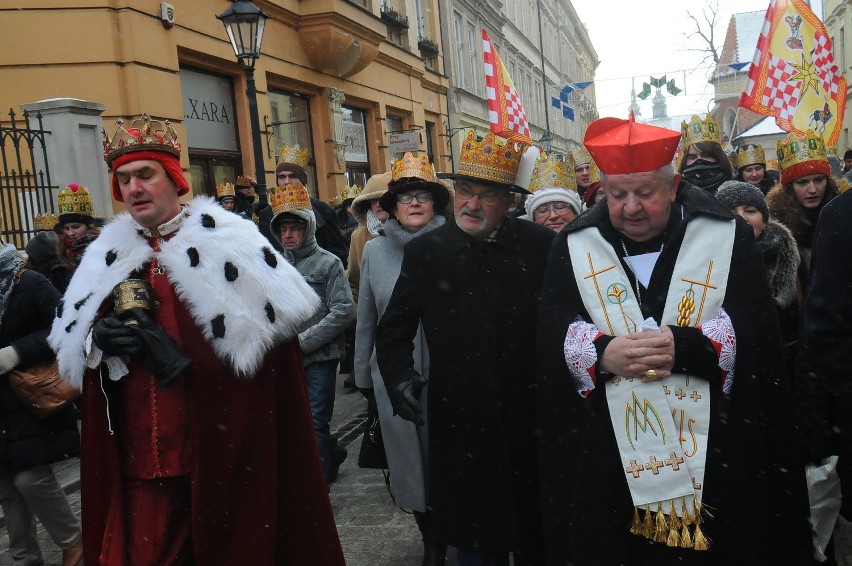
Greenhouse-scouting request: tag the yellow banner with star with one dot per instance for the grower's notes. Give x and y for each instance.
(793, 75)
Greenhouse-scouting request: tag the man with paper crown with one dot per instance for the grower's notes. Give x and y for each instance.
(473, 285)
(291, 170)
(197, 440)
(665, 421)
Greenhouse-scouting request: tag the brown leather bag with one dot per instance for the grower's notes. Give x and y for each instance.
(41, 388)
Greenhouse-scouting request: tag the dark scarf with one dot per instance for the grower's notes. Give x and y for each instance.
(74, 248)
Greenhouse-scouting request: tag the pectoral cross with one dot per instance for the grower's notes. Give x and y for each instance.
(705, 286)
(594, 275)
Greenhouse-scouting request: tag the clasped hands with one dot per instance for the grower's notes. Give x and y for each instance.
(647, 355)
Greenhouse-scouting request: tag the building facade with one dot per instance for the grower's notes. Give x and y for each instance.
(519, 29)
(335, 76)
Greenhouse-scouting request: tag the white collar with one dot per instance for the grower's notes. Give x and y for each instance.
(165, 228)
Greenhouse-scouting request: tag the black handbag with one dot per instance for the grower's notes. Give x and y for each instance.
(372, 453)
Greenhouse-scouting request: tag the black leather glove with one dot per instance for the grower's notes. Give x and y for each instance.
(158, 353)
(405, 398)
(114, 338)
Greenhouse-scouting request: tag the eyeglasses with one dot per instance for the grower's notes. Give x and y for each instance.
(406, 198)
(557, 207)
(488, 196)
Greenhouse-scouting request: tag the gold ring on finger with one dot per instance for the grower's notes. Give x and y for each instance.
(651, 374)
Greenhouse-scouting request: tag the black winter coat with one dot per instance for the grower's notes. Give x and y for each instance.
(26, 441)
(823, 383)
(477, 301)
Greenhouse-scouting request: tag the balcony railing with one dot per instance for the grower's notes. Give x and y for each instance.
(427, 47)
(393, 18)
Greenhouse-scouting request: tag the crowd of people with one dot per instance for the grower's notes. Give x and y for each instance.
(630, 355)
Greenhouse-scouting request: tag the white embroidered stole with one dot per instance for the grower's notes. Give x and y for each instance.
(662, 426)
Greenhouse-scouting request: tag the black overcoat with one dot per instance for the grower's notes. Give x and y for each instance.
(477, 301)
(26, 441)
(754, 483)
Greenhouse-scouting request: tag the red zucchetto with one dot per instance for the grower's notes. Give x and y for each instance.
(626, 146)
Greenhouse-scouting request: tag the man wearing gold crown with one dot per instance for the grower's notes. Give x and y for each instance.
(473, 285)
(220, 466)
(665, 421)
(291, 171)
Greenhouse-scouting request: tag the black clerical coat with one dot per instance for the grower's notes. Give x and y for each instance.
(754, 483)
(477, 301)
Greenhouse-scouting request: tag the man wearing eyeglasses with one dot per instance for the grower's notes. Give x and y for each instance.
(473, 285)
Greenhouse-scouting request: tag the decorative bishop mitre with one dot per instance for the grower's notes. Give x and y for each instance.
(549, 172)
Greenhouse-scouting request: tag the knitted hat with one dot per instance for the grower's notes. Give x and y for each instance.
(732, 194)
(552, 194)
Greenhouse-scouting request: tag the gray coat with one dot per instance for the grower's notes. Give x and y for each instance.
(321, 337)
(405, 444)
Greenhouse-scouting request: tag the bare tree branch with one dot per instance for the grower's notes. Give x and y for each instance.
(705, 32)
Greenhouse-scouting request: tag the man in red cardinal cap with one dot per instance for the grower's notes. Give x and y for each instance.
(664, 418)
(197, 439)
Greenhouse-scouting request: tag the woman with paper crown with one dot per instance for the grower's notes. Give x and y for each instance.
(197, 442)
(414, 202)
(554, 201)
(704, 162)
(806, 187)
(76, 229)
(321, 336)
(750, 163)
(662, 402)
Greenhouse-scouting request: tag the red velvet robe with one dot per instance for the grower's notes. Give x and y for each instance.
(256, 486)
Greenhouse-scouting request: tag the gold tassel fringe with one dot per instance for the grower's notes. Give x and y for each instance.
(685, 537)
(636, 526)
(687, 518)
(661, 528)
(701, 542)
(648, 524)
(674, 526)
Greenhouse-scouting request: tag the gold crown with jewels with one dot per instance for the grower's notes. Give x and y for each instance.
(491, 159)
(796, 149)
(289, 199)
(225, 190)
(245, 181)
(350, 191)
(698, 130)
(143, 134)
(749, 154)
(75, 199)
(294, 154)
(44, 221)
(416, 166)
(549, 172)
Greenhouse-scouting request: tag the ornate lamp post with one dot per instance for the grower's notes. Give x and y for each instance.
(244, 22)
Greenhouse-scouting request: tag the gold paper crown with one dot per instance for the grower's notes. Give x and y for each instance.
(75, 199)
(245, 181)
(350, 191)
(294, 154)
(289, 199)
(44, 222)
(698, 130)
(552, 173)
(749, 154)
(491, 159)
(417, 166)
(225, 190)
(335, 200)
(794, 149)
(582, 156)
(144, 134)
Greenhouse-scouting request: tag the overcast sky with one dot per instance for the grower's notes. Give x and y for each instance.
(640, 39)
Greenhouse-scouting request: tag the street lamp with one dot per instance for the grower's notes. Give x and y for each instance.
(244, 23)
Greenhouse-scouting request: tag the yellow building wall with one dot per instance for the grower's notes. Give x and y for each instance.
(118, 53)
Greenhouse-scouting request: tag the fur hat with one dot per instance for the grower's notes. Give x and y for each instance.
(732, 194)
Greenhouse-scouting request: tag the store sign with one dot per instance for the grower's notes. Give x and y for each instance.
(208, 109)
(356, 142)
(401, 142)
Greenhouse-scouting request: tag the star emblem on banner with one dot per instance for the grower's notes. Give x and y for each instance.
(807, 73)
